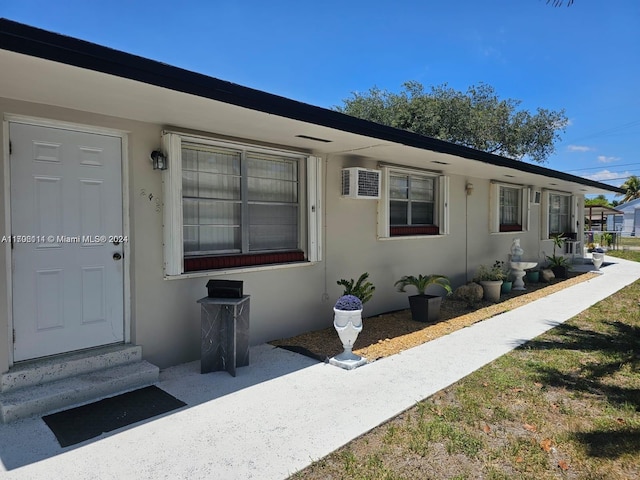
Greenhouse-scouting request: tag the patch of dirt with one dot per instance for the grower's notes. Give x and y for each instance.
(393, 332)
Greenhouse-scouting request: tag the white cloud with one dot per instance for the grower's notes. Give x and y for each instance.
(608, 175)
(603, 159)
(578, 148)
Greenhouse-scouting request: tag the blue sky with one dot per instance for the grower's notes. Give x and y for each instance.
(584, 58)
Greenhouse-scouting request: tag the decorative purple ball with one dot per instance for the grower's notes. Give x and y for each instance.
(348, 302)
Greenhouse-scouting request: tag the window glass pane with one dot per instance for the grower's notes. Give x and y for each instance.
(219, 213)
(265, 190)
(214, 238)
(189, 184)
(421, 213)
(559, 214)
(271, 167)
(189, 159)
(398, 213)
(225, 162)
(422, 188)
(399, 187)
(509, 206)
(272, 179)
(273, 227)
(191, 239)
(210, 225)
(218, 186)
(190, 211)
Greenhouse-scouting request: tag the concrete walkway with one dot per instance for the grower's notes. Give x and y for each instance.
(285, 410)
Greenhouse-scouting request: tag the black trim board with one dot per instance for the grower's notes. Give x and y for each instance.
(35, 42)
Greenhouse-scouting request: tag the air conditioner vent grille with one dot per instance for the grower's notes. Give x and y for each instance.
(361, 183)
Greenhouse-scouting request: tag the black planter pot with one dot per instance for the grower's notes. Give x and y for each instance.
(425, 308)
(559, 271)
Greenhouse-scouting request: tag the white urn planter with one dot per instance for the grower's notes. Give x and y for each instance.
(491, 289)
(348, 325)
(597, 259)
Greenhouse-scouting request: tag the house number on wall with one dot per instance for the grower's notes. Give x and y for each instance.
(151, 197)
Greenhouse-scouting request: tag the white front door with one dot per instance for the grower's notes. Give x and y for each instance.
(67, 278)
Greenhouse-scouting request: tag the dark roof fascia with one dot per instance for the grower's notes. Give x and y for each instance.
(47, 45)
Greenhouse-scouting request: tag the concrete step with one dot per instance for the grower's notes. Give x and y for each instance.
(76, 390)
(52, 369)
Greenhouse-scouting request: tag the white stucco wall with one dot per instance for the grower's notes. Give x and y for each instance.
(284, 301)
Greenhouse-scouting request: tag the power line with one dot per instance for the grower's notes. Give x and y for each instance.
(609, 179)
(607, 131)
(604, 167)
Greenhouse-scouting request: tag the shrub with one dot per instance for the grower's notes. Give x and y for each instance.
(360, 288)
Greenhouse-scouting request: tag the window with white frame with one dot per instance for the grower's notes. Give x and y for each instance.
(413, 203)
(559, 214)
(233, 205)
(509, 207)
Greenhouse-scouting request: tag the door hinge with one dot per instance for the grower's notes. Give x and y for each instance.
(10, 148)
(14, 335)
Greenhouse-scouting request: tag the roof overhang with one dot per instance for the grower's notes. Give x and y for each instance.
(47, 68)
(597, 212)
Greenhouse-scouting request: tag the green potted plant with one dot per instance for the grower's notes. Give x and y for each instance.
(533, 275)
(360, 288)
(491, 279)
(507, 283)
(424, 308)
(558, 263)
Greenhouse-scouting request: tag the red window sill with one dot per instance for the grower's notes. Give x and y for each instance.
(510, 228)
(414, 230)
(217, 262)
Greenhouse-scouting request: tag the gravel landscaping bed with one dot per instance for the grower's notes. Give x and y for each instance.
(393, 332)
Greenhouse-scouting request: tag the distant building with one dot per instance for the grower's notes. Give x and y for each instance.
(630, 225)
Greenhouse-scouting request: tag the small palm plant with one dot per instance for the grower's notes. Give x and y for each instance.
(360, 288)
(421, 282)
(557, 260)
(424, 308)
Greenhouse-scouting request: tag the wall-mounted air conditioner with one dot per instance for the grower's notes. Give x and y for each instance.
(361, 183)
(536, 195)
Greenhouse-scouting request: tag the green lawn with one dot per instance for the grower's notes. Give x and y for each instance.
(629, 241)
(626, 254)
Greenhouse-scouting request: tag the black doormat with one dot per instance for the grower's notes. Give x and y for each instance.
(82, 423)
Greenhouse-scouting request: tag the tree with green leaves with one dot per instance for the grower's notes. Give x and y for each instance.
(477, 118)
(632, 189)
(599, 201)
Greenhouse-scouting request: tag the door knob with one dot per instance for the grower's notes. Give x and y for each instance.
(117, 256)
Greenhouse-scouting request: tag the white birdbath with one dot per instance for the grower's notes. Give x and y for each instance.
(518, 271)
